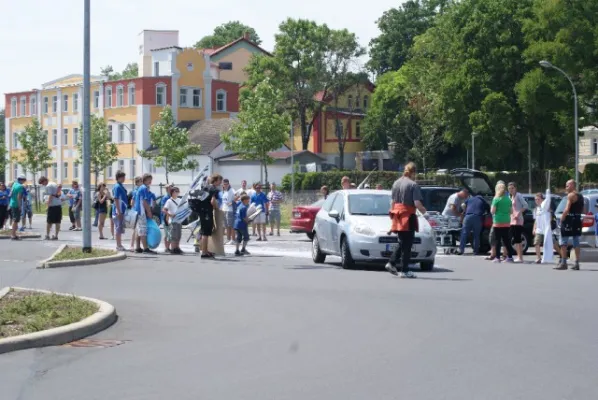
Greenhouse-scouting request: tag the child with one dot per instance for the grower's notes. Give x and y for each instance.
(173, 229)
(240, 225)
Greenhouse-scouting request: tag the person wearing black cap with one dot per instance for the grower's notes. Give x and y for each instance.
(16, 204)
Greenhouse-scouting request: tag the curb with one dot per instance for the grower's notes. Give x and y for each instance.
(48, 263)
(102, 319)
(26, 236)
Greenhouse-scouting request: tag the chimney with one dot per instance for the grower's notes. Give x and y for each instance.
(246, 36)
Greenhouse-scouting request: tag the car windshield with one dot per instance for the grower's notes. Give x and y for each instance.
(369, 204)
(561, 207)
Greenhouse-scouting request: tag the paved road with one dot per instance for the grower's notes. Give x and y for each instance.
(280, 327)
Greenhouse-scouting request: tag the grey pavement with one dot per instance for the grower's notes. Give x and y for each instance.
(279, 327)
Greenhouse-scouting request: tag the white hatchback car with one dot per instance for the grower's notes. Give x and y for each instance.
(354, 224)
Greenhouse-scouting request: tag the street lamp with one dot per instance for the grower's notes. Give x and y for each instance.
(132, 147)
(546, 64)
(86, 127)
(473, 135)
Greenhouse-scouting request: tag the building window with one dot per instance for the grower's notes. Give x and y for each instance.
(65, 170)
(65, 136)
(594, 149)
(46, 135)
(75, 170)
(65, 101)
(221, 101)
(131, 95)
(55, 171)
(54, 137)
(365, 102)
(156, 68)
(109, 171)
(350, 101)
(76, 102)
(120, 96)
(161, 95)
(108, 101)
(357, 129)
(22, 107)
(13, 107)
(45, 105)
(54, 104)
(32, 105)
(197, 98)
(110, 135)
(132, 132)
(75, 136)
(152, 167)
(133, 168)
(121, 133)
(357, 101)
(15, 140)
(183, 97)
(121, 165)
(96, 99)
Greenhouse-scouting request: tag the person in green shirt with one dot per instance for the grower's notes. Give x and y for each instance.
(15, 204)
(501, 222)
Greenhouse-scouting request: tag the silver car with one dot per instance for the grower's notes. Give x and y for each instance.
(354, 224)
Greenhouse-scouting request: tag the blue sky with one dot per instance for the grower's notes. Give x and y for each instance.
(43, 40)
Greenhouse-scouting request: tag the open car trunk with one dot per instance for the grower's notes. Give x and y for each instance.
(476, 182)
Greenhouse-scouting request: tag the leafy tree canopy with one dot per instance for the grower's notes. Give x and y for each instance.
(131, 71)
(227, 33)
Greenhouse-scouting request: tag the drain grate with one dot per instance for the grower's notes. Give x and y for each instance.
(96, 343)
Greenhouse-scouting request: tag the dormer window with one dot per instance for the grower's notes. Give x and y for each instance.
(350, 101)
(365, 102)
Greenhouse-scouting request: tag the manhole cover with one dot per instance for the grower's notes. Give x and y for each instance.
(96, 343)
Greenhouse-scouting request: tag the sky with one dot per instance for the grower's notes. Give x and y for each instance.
(43, 40)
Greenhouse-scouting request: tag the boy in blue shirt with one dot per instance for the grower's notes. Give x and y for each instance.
(119, 207)
(144, 212)
(240, 226)
(260, 199)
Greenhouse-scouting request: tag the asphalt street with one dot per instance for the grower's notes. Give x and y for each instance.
(274, 325)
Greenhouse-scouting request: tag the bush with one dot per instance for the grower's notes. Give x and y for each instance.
(590, 173)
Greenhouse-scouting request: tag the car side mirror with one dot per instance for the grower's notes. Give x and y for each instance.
(334, 214)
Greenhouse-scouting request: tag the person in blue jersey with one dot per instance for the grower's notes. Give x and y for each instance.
(4, 198)
(27, 209)
(131, 204)
(260, 199)
(119, 195)
(143, 208)
(241, 227)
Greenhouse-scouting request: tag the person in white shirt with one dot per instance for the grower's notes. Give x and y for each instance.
(251, 192)
(172, 229)
(228, 208)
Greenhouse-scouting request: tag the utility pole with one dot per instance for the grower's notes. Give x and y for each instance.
(86, 130)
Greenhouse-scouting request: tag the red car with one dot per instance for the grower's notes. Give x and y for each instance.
(303, 217)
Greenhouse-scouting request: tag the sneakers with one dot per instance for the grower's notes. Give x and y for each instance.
(408, 275)
(138, 250)
(238, 253)
(561, 266)
(177, 251)
(22, 229)
(149, 251)
(496, 261)
(391, 268)
(575, 267)
(509, 260)
(518, 260)
(72, 228)
(245, 252)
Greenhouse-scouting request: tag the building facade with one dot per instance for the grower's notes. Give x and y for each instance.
(199, 84)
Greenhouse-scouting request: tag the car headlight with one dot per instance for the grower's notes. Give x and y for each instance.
(363, 230)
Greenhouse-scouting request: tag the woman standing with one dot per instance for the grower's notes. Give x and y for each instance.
(216, 241)
(501, 218)
(4, 197)
(101, 207)
(325, 191)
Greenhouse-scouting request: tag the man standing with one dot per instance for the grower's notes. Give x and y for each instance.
(144, 211)
(16, 204)
(406, 198)
(516, 230)
(345, 183)
(275, 198)
(119, 194)
(260, 199)
(206, 214)
(163, 201)
(242, 189)
(228, 209)
(54, 203)
(453, 207)
(74, 196)
(138, 183)
(475, 208)
(571, 225)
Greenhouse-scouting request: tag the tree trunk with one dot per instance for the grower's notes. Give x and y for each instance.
(96, 173)
(341, 157)
(304, 132)
(266, 174)
(166, 171)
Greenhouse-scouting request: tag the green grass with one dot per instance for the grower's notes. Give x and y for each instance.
(285, 215)
(27, 312)
(76, 253)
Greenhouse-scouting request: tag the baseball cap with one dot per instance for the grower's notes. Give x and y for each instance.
(22, 178)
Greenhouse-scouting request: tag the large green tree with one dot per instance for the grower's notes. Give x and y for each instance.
(227, 33)
(170, 145)
(131, 71)
(263, 126)
(103, 152)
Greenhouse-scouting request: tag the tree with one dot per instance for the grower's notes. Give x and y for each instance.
(226, 33)
(131, 71)
(262, 127)
(170, 146)
(102, 151)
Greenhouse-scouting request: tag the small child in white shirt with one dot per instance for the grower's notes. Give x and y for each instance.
(173, 230)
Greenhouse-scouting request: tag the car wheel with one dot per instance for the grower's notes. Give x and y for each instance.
(525, 241)
(427, 265)
(346, 259)
(310, 235)
(316, 253)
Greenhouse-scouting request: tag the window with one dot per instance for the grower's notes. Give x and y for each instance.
(161, 95)
(55, 170)
(357, 101)
(65, 136)
(110, 135)
(76, 102)
(132, 132)
(65, 170)
(156, 68)
(152, 167)
(109, 171)
(339, 204)
(13, 107)
(54, 138)
(183, 97)
(45, 105)
(75, 136)
(327, 206)
(23, 106)
(358, 129)
(197, 98)
(96, 99)
(75, 170)
(54, 104)
(594, 147)
(131, 95)
(120, 96)
(15, 140)
(32, 105)
(132, 164)
(108, 100)
(46, 135)
(221, 101)
(365, 102)
(350, 101)
(65, 102)
(121, 165)
(121, 133)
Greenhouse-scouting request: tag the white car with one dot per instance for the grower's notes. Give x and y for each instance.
(354, 224)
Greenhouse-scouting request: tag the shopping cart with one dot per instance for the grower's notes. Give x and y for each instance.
(447, 230)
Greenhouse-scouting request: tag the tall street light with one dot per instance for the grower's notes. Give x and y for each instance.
(473, 135)
(546, 64)
(113, 121)
(86, 129)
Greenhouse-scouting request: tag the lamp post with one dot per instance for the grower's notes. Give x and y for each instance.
(473, 135)
(132, 148)
(546, 64)
(292, 134)
(86, 129)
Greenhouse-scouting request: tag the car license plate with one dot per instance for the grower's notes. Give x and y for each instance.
(297, 215)
(393, 247)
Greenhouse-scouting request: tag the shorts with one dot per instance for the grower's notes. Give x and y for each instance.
(515, 232)
(274, 216)
(141, 225)
(28, 212)
(539, 239)
(119, 224)
(242, 235)
(206, 220)
(174, 231)
(15, 213)
(564, 241)
(229, 219)
(77, 213)
(260, 219)
(54, 215)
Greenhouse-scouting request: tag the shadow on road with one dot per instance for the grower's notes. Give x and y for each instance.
(362, 267)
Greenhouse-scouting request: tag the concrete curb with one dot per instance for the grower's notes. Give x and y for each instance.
(48, 263)
(102, 319)
(25, 236)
